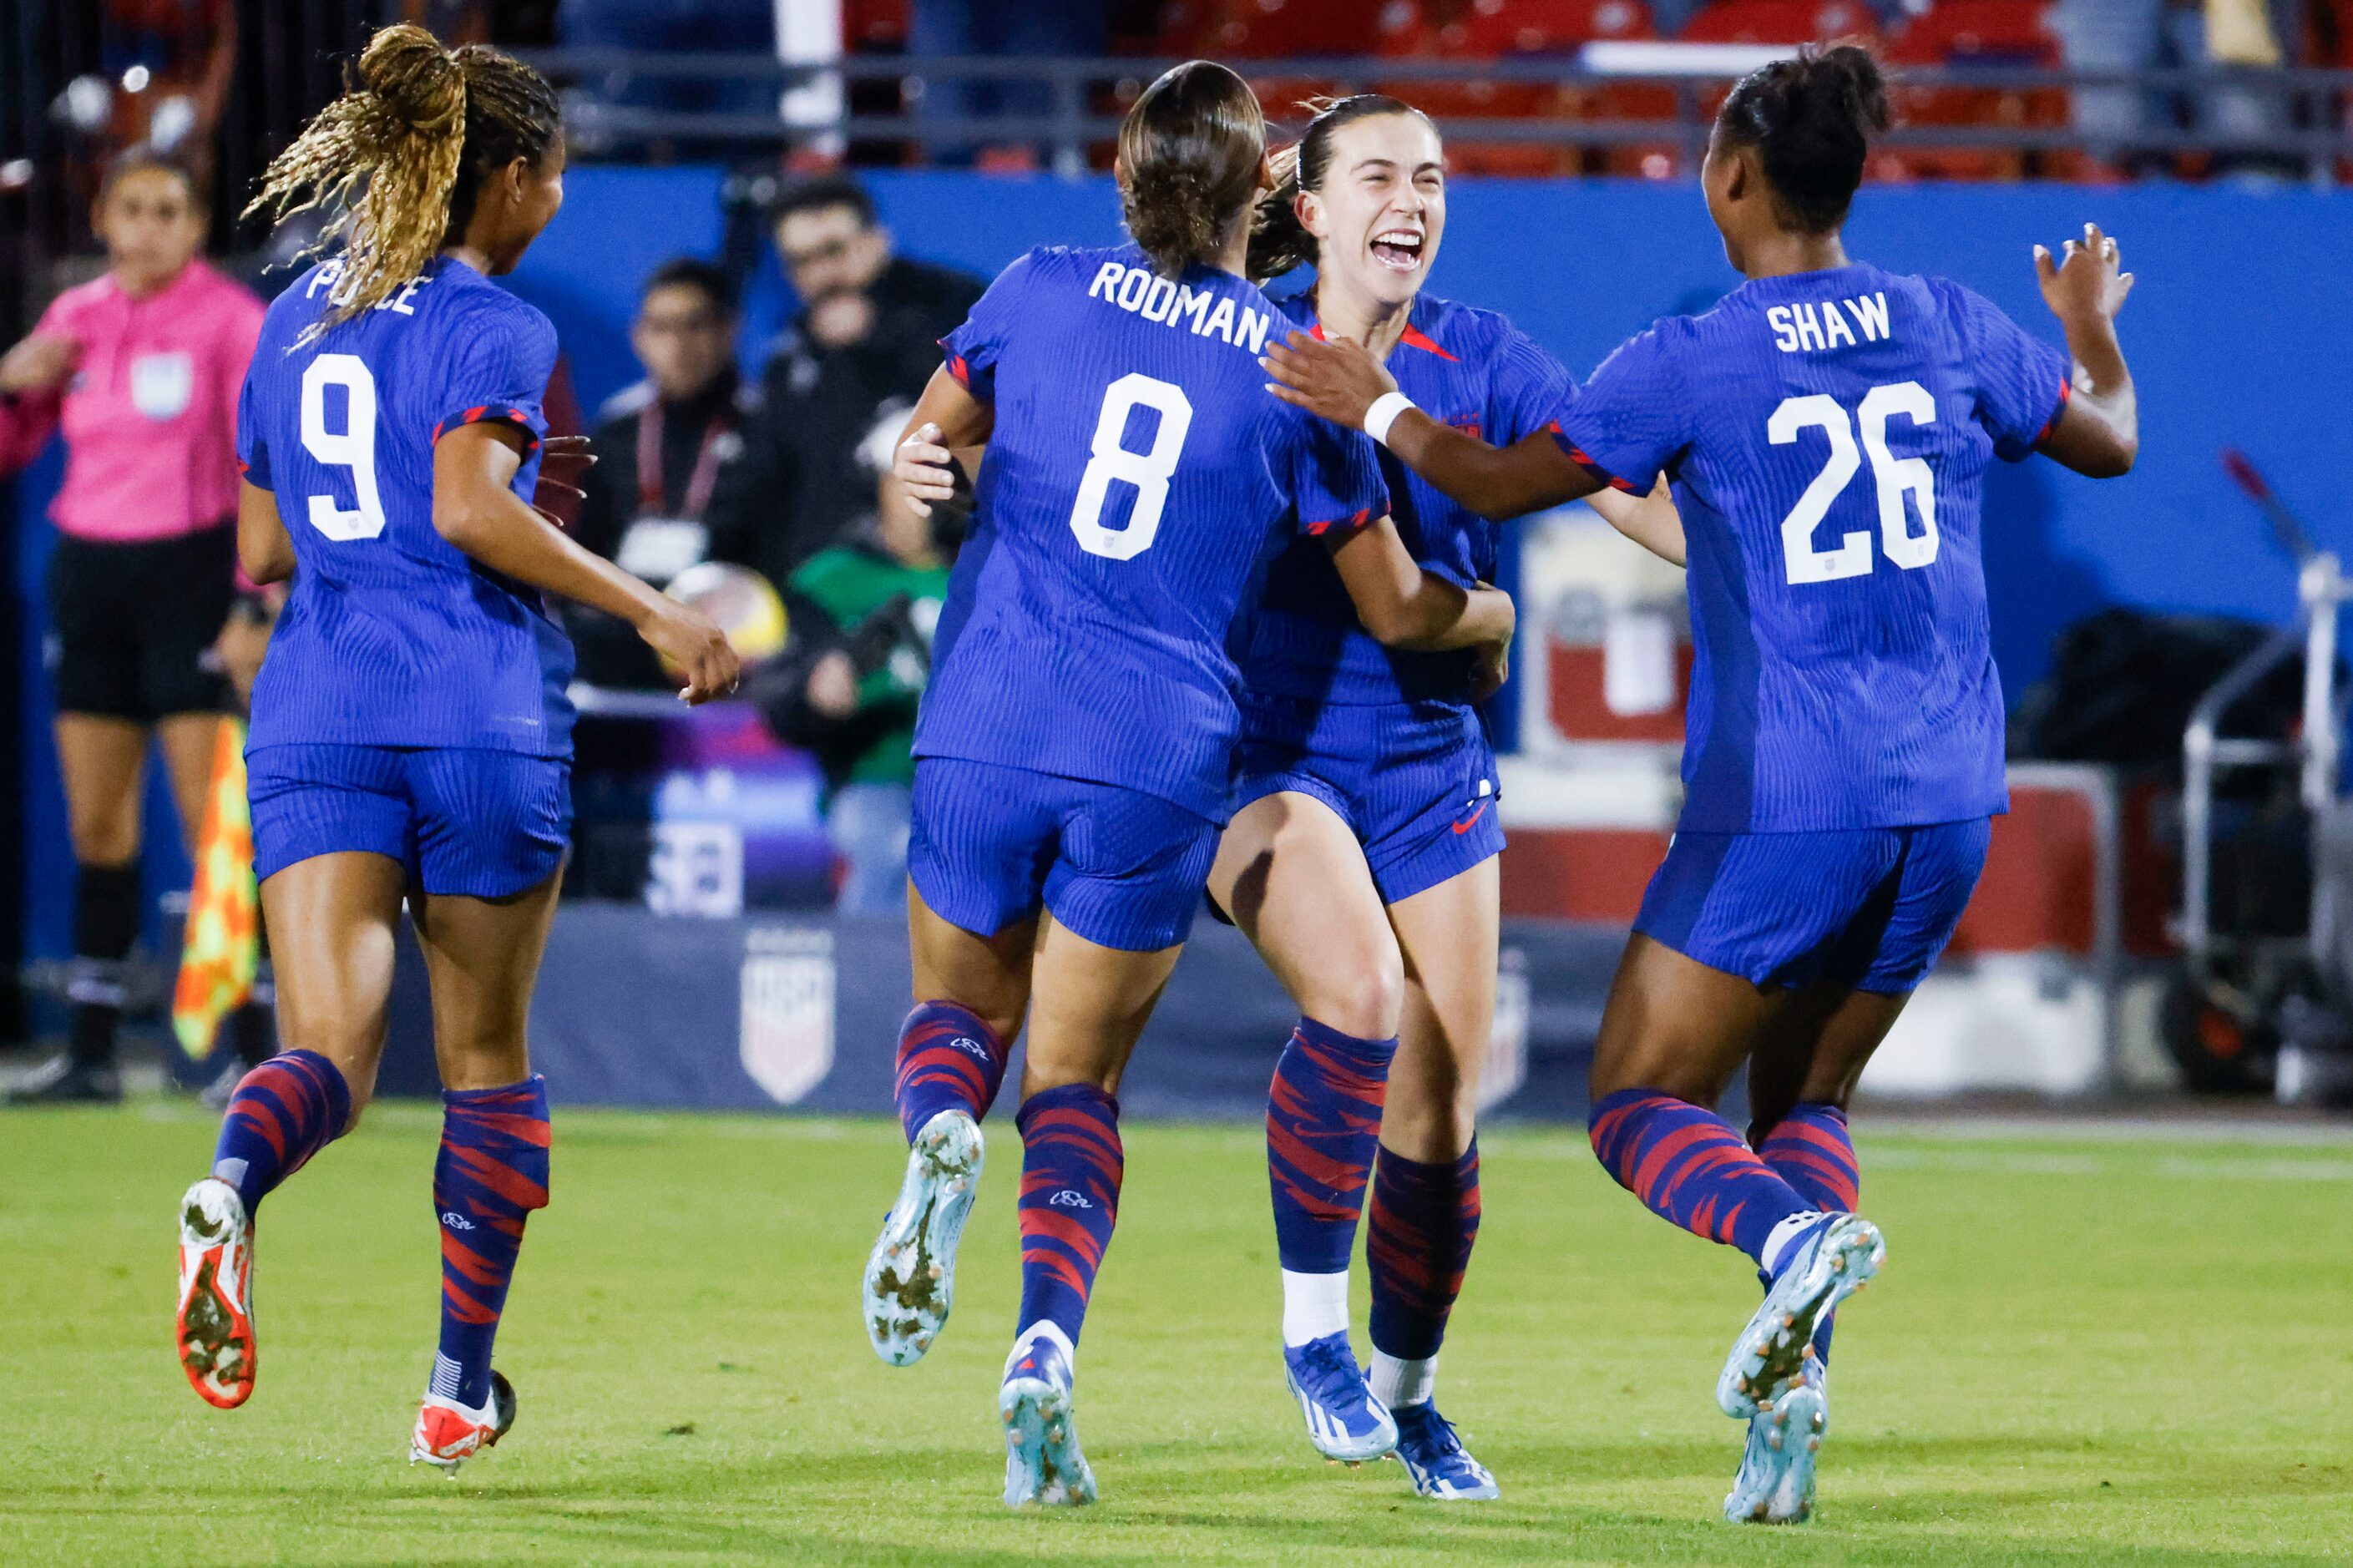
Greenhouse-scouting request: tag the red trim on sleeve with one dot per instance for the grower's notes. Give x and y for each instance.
(2066, 395)
(1345, 525)
(1584, 460)
(502, 415)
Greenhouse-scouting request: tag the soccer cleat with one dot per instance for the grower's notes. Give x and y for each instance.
(449, 1434)
(1344, 1420)
(1432, 1452)
(1775, 1484)
(1823, 1269)
(911, 1273)
(214, 1327)
(1042, 1461)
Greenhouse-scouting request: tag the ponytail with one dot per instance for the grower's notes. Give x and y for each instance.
(405, 153)
(1189, 154)
(1811, 121)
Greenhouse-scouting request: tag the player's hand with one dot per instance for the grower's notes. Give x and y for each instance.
(566, 448)
(688, 640)
(925, 468)
(1493, 667)
(2087, 280)
(1336, 379)
(38, 363)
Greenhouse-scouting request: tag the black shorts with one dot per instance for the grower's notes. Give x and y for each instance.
(132, 625)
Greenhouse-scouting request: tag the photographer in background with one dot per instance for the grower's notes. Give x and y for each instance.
(866, 338)
(863, 611)
(662, 447)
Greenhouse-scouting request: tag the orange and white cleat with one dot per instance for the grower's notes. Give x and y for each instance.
(215, 1326)
(449, 1434)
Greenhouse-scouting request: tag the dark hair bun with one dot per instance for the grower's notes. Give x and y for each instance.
(419, 82)
(1811, 121)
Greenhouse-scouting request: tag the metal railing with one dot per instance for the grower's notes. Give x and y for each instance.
(1069, 105)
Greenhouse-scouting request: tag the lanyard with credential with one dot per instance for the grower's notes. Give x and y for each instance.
(650, 466)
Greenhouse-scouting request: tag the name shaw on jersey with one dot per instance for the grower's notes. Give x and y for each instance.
(1155, 298)
(1796, 329)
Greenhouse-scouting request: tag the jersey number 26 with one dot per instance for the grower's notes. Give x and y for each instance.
(1896, 476)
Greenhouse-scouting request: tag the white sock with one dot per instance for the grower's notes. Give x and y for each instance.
(1398, 1383)
(1783, 1236)
(1314, 1305)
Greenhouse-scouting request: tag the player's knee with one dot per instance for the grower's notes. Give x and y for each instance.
(103, 833)
(1364, 996)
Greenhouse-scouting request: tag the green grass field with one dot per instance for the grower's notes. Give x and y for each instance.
(2102, 1351)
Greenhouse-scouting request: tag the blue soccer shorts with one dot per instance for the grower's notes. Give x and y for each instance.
(990, 844)
(1415, 781)
(1867, 908)
(465, 820)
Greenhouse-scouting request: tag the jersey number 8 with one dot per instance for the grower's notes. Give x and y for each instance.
(1149, 472)
(352, 448)
(1896, 476)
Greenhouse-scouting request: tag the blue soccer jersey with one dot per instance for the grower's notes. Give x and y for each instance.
(392, 635)
(1827, 434)
(1468, 368)
(1137, 480)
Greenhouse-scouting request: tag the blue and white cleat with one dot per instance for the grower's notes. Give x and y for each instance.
(1344, 1420)
(1822, 1267)
(911, 1273)
(1432, 1452)
(1042, 1461)
(1775, 1484)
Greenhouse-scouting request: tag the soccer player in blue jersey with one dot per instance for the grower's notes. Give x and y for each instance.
(411, 738)
(1074, 746)
(1828, 427)
(1362, 856)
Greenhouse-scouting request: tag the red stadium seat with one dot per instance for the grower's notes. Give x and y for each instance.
(1781, 22)
(1493, 27)
(1960, 33)
(1404, 30)
(879, 24)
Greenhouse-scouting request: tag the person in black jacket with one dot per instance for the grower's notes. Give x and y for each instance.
(867, 337)
(663, 446)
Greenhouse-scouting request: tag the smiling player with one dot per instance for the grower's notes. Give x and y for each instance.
(1828, 427)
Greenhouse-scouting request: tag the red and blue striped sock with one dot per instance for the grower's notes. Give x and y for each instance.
(283, 1111)
(1811, 1151)
(1687, 1165)
(492, 1172)
(1323, 1125)
(948, 1060)
(1072, 1163)
(1425, 1217)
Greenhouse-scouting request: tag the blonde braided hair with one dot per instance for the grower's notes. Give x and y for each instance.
(404, 154)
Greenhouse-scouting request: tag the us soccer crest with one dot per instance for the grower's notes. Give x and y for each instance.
(786, 1031)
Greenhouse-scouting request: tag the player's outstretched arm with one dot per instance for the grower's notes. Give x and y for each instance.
(475, 508)
(2098, 432)
(1650, 520)
(262, 547)
(1344, 383)
(947, 419)
(1405, 606)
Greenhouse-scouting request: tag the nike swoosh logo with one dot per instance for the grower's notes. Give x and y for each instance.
(1468, 823)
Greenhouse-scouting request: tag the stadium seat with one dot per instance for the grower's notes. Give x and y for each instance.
(877, 26)
(1404, 30)
(1781, 22)
(1496, 27)
(1958, 34)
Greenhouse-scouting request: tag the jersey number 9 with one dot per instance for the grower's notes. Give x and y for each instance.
(1149, 472)
(1896, 476)
(352, 448)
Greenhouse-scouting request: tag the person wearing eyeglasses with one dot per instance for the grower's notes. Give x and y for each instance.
(866, 337)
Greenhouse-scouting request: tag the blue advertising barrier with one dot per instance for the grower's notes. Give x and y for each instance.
(763, 1012)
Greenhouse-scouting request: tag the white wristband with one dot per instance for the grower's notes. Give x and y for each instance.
(1383, 413)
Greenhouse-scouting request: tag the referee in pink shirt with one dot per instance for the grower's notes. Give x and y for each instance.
(141, 369)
